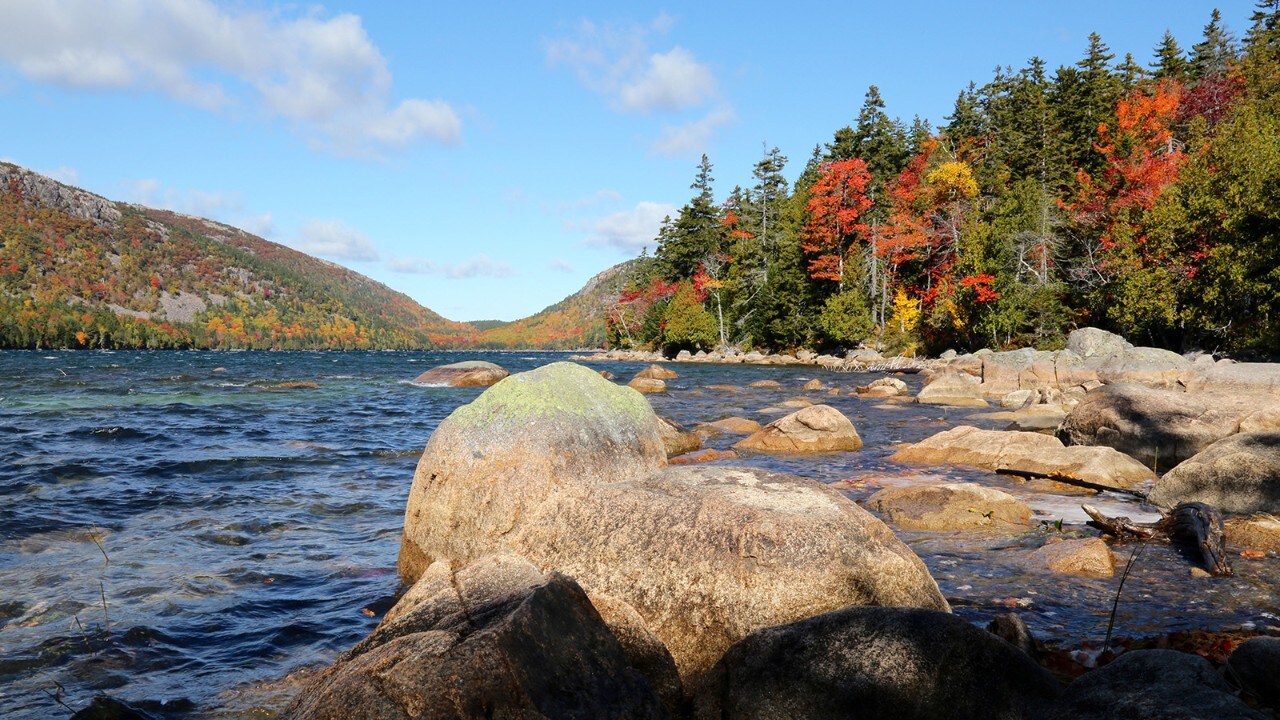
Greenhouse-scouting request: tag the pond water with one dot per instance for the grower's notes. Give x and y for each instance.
(179, 530)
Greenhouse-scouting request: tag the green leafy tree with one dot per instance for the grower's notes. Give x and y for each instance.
(846, 318)
(686, 323)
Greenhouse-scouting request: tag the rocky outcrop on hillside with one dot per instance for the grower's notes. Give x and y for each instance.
(54, 195)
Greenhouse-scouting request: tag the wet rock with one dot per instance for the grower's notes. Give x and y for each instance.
(707, 555)
(104, 707)
(863, 662)
(1255, 665)
(470, 373)
(953, 506)
(520, 441)
(705, 455)
(1154, 426)
(884, 387)
(1237, 474)
(728, 426)
(607, 375)
(815, 429)
(647, 386)
(767, 384)
(676, 439)
(952, 389)
(1087, 557)
(1153, 685)
(1019, 398)
(1090, 342)
(496, 639)
(657, 372)
(725, 388)
(814, 385)
(797, 402)
(1261, 532)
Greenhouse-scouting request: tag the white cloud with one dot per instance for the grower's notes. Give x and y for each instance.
(671, 82)
(334, 239)
(692, 138)
(65, 175)
(560, 266)
(616, 62)
(630, 230)
(152, 193)
(477, 266)
(261, 225)
(323, 74)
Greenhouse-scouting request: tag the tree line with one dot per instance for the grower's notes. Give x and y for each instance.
(1142, 199)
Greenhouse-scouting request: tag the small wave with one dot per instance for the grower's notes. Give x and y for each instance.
(423, 385)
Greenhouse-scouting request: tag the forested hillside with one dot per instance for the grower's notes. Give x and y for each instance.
(1144, 198)
(578, 321)
(77, 270)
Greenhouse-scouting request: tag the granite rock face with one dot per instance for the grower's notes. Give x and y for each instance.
(470, 373)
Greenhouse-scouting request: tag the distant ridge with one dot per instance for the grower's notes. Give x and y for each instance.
(79, 270)
(577, 321)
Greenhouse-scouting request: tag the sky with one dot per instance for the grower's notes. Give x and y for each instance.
(488, 160)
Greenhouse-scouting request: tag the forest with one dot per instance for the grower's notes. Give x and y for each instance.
(1144, 199)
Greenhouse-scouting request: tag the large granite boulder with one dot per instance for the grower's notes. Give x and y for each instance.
(1153, 685)
(1086, 557)
(952, 506)
(532, 435)
(495, 639)
(1157, 427)
(1032, 451)
(952, 388)
(813, 429)
(1151, 367)
(1090, 342)
(470, 373)
(707, 555)
(1025, 369)
(864, 662)
(1237, 474)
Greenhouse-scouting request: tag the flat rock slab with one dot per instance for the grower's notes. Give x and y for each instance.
(470, 373)
(814, 429)
(1036, 452)
(728, 426)
(952, 506)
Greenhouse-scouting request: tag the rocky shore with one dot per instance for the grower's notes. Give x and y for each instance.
(561, 562)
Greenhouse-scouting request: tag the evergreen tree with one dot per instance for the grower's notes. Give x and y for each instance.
(1261, 65)
(687, 242)
(1170, 63)
(1086, 96)
(965, 120)
(1214, 54)
(875, 139)
(1130, 72)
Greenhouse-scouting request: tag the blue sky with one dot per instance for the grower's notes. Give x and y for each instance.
(488, 160)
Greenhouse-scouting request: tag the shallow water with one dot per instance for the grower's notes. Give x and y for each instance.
(236, 533)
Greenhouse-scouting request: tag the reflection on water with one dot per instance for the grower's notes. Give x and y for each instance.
(177, 532)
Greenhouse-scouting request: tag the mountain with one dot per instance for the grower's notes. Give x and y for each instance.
(78, 270)
(575, 322)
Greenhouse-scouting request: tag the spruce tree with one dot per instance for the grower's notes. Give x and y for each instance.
(1170, 63)
(1214, 54)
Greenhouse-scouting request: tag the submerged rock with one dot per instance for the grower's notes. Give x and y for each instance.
(1237, 474)
(707, 555)
(496, 639)
(534, 434)
(814, 429)
(728, 426)
(953, 506)
(863, 662)
(463, 374)
(1153, 685)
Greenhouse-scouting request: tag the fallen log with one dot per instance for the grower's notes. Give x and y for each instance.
(1070, 480)
(1192, 524)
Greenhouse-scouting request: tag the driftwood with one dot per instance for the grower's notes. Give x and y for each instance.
(1070, 480)
(1191, 524)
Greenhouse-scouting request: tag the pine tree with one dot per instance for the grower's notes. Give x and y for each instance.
(1261, 64)
(695, 235)
(1214, 54)
(1130, 72)
(1170, 63)
(875, 139)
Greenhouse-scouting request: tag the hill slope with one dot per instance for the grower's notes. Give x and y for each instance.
(575, 322)
(78, 270)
